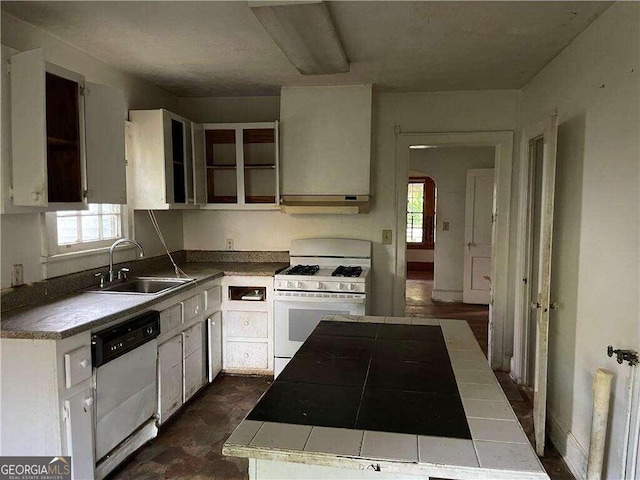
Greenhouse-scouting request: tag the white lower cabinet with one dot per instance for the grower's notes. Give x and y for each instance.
(214, 347)
(247, 356)
(169, 377)
(78, 419)
(193, 360)
(247, 325)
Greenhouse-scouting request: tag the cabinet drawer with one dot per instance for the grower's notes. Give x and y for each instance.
(77, 366)
(213, 299)
(192, 339)
(170, 318)
(246, 355)
(192, 307)
(246, 324)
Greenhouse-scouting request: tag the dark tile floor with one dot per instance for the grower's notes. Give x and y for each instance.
(190, 444)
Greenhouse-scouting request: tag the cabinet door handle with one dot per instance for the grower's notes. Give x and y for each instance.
(246, 323)
(246, 355)
(84, 363)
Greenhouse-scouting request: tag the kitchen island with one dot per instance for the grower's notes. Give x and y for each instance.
(385, 397)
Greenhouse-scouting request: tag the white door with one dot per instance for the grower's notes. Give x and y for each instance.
(193, 360)
(478, 223)
(104, 115)
(169, 377)
(548, 131)
(215, 345)
(28, 128)
(79, 435)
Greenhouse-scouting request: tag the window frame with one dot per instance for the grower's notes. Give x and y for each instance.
(423, 245)
(53, 249)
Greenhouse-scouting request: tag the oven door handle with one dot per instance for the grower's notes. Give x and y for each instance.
(357, 299)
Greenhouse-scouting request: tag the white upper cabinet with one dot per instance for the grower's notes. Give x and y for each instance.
(242, 165)
(67, 137)
(164, 162)
(326, 140)
(104, 114)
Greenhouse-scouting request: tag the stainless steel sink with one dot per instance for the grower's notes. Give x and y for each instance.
(143, 285)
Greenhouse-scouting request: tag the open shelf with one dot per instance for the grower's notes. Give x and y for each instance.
(248, 294)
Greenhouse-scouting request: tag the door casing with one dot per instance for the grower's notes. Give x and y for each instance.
(500, 330)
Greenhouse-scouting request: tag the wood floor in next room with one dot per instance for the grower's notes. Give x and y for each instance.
(190, 445)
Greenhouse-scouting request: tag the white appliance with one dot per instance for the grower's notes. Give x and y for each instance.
(328, 276)
(124, 358)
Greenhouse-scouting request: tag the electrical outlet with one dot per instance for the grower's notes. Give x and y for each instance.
(229, 243)
(445, 226)
(17, 272)
(387, 237)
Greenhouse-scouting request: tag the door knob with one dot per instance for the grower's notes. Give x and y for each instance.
(553, 306)
(535, 305)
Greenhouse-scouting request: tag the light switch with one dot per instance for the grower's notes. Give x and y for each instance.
(445, 226)
(387, 237)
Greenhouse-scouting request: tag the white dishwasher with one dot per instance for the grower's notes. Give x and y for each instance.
(124, 358)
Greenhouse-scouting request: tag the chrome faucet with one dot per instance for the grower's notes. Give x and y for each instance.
(112, 249)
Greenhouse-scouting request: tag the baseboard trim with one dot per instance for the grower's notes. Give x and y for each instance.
(567, 445)
(420, 266)
(446, 295)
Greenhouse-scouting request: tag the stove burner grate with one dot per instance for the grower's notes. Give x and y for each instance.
(343, 271)
(303, 270)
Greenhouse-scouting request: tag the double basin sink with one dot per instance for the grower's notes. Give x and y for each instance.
(143, 285)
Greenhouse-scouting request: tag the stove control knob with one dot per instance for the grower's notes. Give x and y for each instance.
(342, 286)
(350, 287)
(289, 285)
(299, 284)
(320, 285)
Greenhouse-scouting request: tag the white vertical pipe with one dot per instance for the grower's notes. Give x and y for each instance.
(627, 425)
(601, 394)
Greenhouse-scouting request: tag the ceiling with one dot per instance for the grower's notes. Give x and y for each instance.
(204, 48)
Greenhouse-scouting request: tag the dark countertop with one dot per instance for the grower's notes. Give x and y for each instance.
(81, 311)
(351, 374)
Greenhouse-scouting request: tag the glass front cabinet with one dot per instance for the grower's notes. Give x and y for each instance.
(241, 164)
(181, 164)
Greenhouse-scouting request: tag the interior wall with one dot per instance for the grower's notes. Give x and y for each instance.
(412, 112)
(21, 234)
(448, 168)
(594, 83)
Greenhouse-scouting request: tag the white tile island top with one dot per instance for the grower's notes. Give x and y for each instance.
(497, 448)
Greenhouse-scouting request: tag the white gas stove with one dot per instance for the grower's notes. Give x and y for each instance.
(327, 276)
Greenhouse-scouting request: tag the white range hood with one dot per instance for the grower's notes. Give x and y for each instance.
(325, 149)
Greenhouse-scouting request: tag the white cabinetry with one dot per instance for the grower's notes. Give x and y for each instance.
(242, 166)
(34, 387)
(78, 419)
(193, 360)
(163, 160)
(214, 347)
(67, 138)
(169, 377)
(183, 354)
(247, 326)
